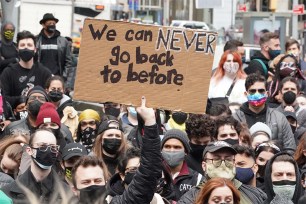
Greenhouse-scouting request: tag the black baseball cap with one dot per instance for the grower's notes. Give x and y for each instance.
(218, 145)
(72, 150)
(109, 124)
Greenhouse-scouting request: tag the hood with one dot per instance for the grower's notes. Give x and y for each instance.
(268, 181)
(56, 34)
(259, 55)
(65, 99)
(115, 186)
(245, 108)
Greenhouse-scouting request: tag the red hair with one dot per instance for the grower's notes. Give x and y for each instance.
(236, 58)
(214, 183)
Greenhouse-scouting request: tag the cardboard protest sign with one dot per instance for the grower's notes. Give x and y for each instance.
(120, 62)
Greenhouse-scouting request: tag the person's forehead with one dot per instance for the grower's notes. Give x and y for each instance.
(285, 167)
(50, 21)
(112, 131)
(293, 46)
(37, 94)
(88, 173)
(173, 141)
(289, 84)
(200, 139)
(133, 162)
(288, 59)
(227, 128)
(56, 83)
(9, 27)
(244, 157)
(274, 41)
(258, 85)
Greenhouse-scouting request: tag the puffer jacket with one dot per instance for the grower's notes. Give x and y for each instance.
(141, 189)
(248, 194)
(5, 179)
(279, 126)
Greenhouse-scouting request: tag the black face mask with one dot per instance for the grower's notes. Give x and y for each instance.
(112, 111)
(34, 107)
(51, 29)
(231, 141)
(197, 151)
(129, 177)
(111, 146)
(46, 159)
(56, 132)
(92, 194)
(21, 115)
(293, 128)
(26, 54)
(261, 170)
(55, 96)
(289, 97)
(88, 137)
(179, 117)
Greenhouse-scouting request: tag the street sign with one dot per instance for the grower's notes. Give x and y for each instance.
(298, 9)
(242, 8)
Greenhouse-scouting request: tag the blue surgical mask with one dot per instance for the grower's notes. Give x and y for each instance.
(132, 111)
(245, 175)
(274, 53)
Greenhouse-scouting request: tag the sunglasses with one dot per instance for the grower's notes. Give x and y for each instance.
(253, 91)
(288, 65)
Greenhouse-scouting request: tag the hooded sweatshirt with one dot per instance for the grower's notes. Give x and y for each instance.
(251, 117)
(256, 66)
(269, 187)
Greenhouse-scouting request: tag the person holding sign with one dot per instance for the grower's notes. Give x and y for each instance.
(227, 83)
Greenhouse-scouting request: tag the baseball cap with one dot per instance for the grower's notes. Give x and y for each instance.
(218, 145)
(72, 150)
(109, 124)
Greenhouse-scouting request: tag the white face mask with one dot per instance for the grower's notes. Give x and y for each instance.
(231, 68)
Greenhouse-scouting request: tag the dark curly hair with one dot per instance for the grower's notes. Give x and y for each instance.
(199, 125)
(227, 120)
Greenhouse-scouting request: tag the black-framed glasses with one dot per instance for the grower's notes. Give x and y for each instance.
(45, 147)
(291, 65)
(39, 98)
(253, 91)
(217, 162)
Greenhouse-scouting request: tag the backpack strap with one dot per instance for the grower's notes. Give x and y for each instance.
(263, 66)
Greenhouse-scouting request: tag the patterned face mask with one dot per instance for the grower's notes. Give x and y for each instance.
(9, 35)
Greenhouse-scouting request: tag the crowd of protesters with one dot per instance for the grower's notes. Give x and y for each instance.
(249, 147)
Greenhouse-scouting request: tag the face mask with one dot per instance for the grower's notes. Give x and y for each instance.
(222, 171)
(231, 68)
(46, 159)
(91, 194)
(245, 175)
(173, 159)
(56, 132)
(9, 35)
(34, 107)
(111, 146)
(274, 53)
(197, 151)
(261, 170)
(55, 96)
(257, 99)
(68, 172)
(132, 111)
(112, 111)
(51, 29)
(88, 137)
(231, 141)
(289, 97)
(179, 117)
(26, 54)
(129, 177)
(293, 128)
(284, 188)
(21, 115)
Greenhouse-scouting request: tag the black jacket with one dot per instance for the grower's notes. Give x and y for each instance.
(255, 65)
(141, 189)
(44, 190)
(248, 194)
(268, 182)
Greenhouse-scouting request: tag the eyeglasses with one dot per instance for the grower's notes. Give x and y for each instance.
(45, 147)
(90, 123)
(39, 98)
(253, 91)
(266, 144)
(290, 65)
(217, 162)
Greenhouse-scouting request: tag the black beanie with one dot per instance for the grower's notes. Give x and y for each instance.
(37, 89)
(177, 134)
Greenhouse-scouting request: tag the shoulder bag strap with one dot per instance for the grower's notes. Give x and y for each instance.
(230, 89)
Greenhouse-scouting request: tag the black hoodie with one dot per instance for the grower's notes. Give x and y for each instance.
(251, 117)
(256, 66)
(268, 181)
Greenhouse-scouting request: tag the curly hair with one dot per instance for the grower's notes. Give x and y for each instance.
(199, 125)
(227, 120)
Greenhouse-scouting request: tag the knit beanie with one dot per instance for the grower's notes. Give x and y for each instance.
(89, 114)
(48, 113)
(37, 89)
(177, 134)
(260, 127)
